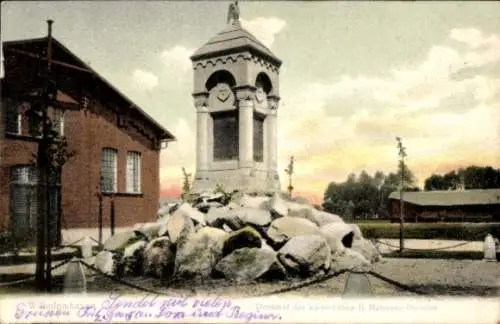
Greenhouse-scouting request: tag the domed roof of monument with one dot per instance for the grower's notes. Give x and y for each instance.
(234, 38)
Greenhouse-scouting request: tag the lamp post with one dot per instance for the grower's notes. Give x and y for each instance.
(402, 155)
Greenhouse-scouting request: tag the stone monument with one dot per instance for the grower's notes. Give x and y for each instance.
(236, 96)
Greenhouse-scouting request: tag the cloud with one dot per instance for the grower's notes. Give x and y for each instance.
(473, 37)
(177, 57)
(350, 124)
(181, 153)
(145, 80)
(265, 29)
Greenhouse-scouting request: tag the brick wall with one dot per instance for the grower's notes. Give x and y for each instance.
(88, 131)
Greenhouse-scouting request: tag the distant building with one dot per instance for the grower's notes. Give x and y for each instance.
(117, 145)
(459, 205)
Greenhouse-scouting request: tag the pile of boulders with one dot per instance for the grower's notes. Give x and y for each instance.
(240, 237)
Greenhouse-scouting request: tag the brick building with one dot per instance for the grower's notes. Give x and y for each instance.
(116, 144)
(447, 205)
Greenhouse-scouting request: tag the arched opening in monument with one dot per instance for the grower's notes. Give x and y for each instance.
(258, 137)
(221, 76)
(225, 123)
(226, 135)
(264, 83)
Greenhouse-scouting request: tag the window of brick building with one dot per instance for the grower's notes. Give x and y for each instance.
(109, 167)
(13, 118)
(24, 198)
(35, 128)
(133, 172)
(58, 121)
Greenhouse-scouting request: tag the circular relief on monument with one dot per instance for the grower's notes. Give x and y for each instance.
(223, 91)
(260, 95)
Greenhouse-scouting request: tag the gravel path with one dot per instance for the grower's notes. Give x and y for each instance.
(431, 277)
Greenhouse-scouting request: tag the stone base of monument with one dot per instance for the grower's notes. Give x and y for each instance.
(249, 180)
(238, 237)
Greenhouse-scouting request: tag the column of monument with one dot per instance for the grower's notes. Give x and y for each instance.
(202, 119)
(272, 136)
(245, 105)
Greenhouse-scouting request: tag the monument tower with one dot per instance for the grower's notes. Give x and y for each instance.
(236, 95)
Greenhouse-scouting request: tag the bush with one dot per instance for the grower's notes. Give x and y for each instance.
(443, 231)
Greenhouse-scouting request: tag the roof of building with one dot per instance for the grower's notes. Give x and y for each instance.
(231, 39)
(23, 46)
(450, 197)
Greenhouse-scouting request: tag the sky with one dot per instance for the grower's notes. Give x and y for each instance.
(355, 75)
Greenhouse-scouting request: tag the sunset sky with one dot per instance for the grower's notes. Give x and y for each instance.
(355, 75)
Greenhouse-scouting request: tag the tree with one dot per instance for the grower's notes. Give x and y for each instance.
(289, 170)
(435, 182)
(186, 185)
(472, 177)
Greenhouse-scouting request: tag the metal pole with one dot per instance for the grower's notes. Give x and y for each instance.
(100, 217)
(402, 155)
(401, 217)
(112, 216)
(48, 271)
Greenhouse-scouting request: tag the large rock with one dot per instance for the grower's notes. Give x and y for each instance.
(206, 205)
(218, 217)
(350, 260)
(105, 261)
(163, 211)
(198, 253)
(211, 197)
(322, 218)
(252, 216)
(178, 223)
(151, 230)
(278, 206)
(306, 254)
(338, 236)
(133, 248)
(133, 258)
(249, 264)
(358, 235)
(232, 206)
(163, 231)
(259, 202)
(301, 200)
(120, 240)
(300, 210)
(159, 258)
(245, 237)
(367, 249)
(283, 229)
(187, 210)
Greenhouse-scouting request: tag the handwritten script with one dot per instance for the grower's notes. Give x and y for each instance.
(118, 307)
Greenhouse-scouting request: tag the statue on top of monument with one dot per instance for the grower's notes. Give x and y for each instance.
(233, 15)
